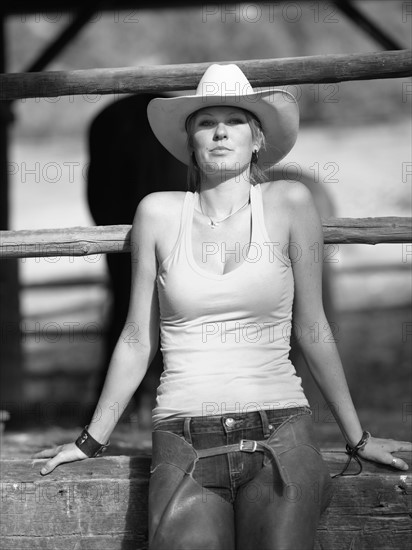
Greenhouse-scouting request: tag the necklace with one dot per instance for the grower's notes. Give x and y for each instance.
(214, 223)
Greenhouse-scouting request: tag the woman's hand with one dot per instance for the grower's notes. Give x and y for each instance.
(69, 452)
(379, 450)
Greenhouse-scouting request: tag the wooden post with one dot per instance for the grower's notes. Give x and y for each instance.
(11, 368)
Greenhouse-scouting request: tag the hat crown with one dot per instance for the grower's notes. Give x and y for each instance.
(224, 80)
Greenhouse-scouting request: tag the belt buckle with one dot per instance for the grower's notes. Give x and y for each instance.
(247, 445)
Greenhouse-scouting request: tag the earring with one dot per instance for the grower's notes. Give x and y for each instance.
(255, 156)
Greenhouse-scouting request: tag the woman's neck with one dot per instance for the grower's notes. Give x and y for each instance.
(219, 199)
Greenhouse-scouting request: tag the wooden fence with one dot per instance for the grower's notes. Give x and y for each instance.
(80, 241)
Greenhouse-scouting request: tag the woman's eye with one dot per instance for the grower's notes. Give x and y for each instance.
(210, 122)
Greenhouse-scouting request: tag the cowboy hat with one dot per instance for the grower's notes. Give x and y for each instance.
(227, 85)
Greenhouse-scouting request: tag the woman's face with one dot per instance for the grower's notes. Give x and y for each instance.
(222, 139)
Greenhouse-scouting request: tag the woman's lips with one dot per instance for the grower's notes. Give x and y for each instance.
(220, 150)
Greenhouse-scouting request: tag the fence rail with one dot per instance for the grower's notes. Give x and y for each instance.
(84, 241)
(164, 78)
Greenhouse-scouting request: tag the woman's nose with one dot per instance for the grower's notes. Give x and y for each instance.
(221, 131)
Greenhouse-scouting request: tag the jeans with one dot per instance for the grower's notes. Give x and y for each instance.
(239, 481)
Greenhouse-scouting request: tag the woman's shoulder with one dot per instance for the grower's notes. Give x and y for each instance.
(288, 193)
(161, 209)
(162, 203)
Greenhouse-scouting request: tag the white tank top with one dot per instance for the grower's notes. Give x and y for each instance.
(225, 339)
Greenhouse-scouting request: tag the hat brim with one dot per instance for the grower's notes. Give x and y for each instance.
(277, 111)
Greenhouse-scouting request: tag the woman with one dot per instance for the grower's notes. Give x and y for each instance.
(235, 463)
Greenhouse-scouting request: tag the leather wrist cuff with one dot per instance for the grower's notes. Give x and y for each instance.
(90, 447)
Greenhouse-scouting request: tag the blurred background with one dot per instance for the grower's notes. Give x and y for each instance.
(354, 143)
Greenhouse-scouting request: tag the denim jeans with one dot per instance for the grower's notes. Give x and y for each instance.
(267, 495)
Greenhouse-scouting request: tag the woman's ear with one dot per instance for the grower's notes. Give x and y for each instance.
(257, 143)
(260, 140)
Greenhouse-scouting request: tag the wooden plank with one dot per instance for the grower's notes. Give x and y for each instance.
(163, 78)
(124, 542)
(102, 503)
(84, 241)
(75, 543)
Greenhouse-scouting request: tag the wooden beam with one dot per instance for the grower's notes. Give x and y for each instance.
(85, 241)
(102, 503)
(42, 7)
(11, 354)
(366, 24)
(163, 78)
(65, 37)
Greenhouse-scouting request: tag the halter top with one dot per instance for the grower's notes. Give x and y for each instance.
(225, 339)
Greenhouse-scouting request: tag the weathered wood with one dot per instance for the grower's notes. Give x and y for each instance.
(67, 6)
(83, 542)
(260, 72)
(84, 241)
(42, 7)
(377, 230)
(102, 503)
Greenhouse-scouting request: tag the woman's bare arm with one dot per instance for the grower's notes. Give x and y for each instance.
(313, 331)
(138, 340)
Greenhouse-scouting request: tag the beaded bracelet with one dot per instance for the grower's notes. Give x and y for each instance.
(353, 453)
(88, 445)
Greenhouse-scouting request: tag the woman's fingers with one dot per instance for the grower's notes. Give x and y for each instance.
(386, 458)
(403, 445)
(398, 463)
(380, 450)
(60, 458)
(59, 455)
(48, 453)
(392, 445)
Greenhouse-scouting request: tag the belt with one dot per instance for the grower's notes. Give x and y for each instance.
(246, 446)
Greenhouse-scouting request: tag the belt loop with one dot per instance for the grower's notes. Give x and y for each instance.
(186, 430)
(265, 422)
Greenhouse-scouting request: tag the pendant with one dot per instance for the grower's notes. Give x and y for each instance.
(213, 224)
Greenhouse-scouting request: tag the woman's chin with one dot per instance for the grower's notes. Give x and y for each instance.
(214, 168)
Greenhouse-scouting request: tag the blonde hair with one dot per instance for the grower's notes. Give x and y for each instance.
(194, 175)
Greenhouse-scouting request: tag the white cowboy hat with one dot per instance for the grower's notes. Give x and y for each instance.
(227, 85)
